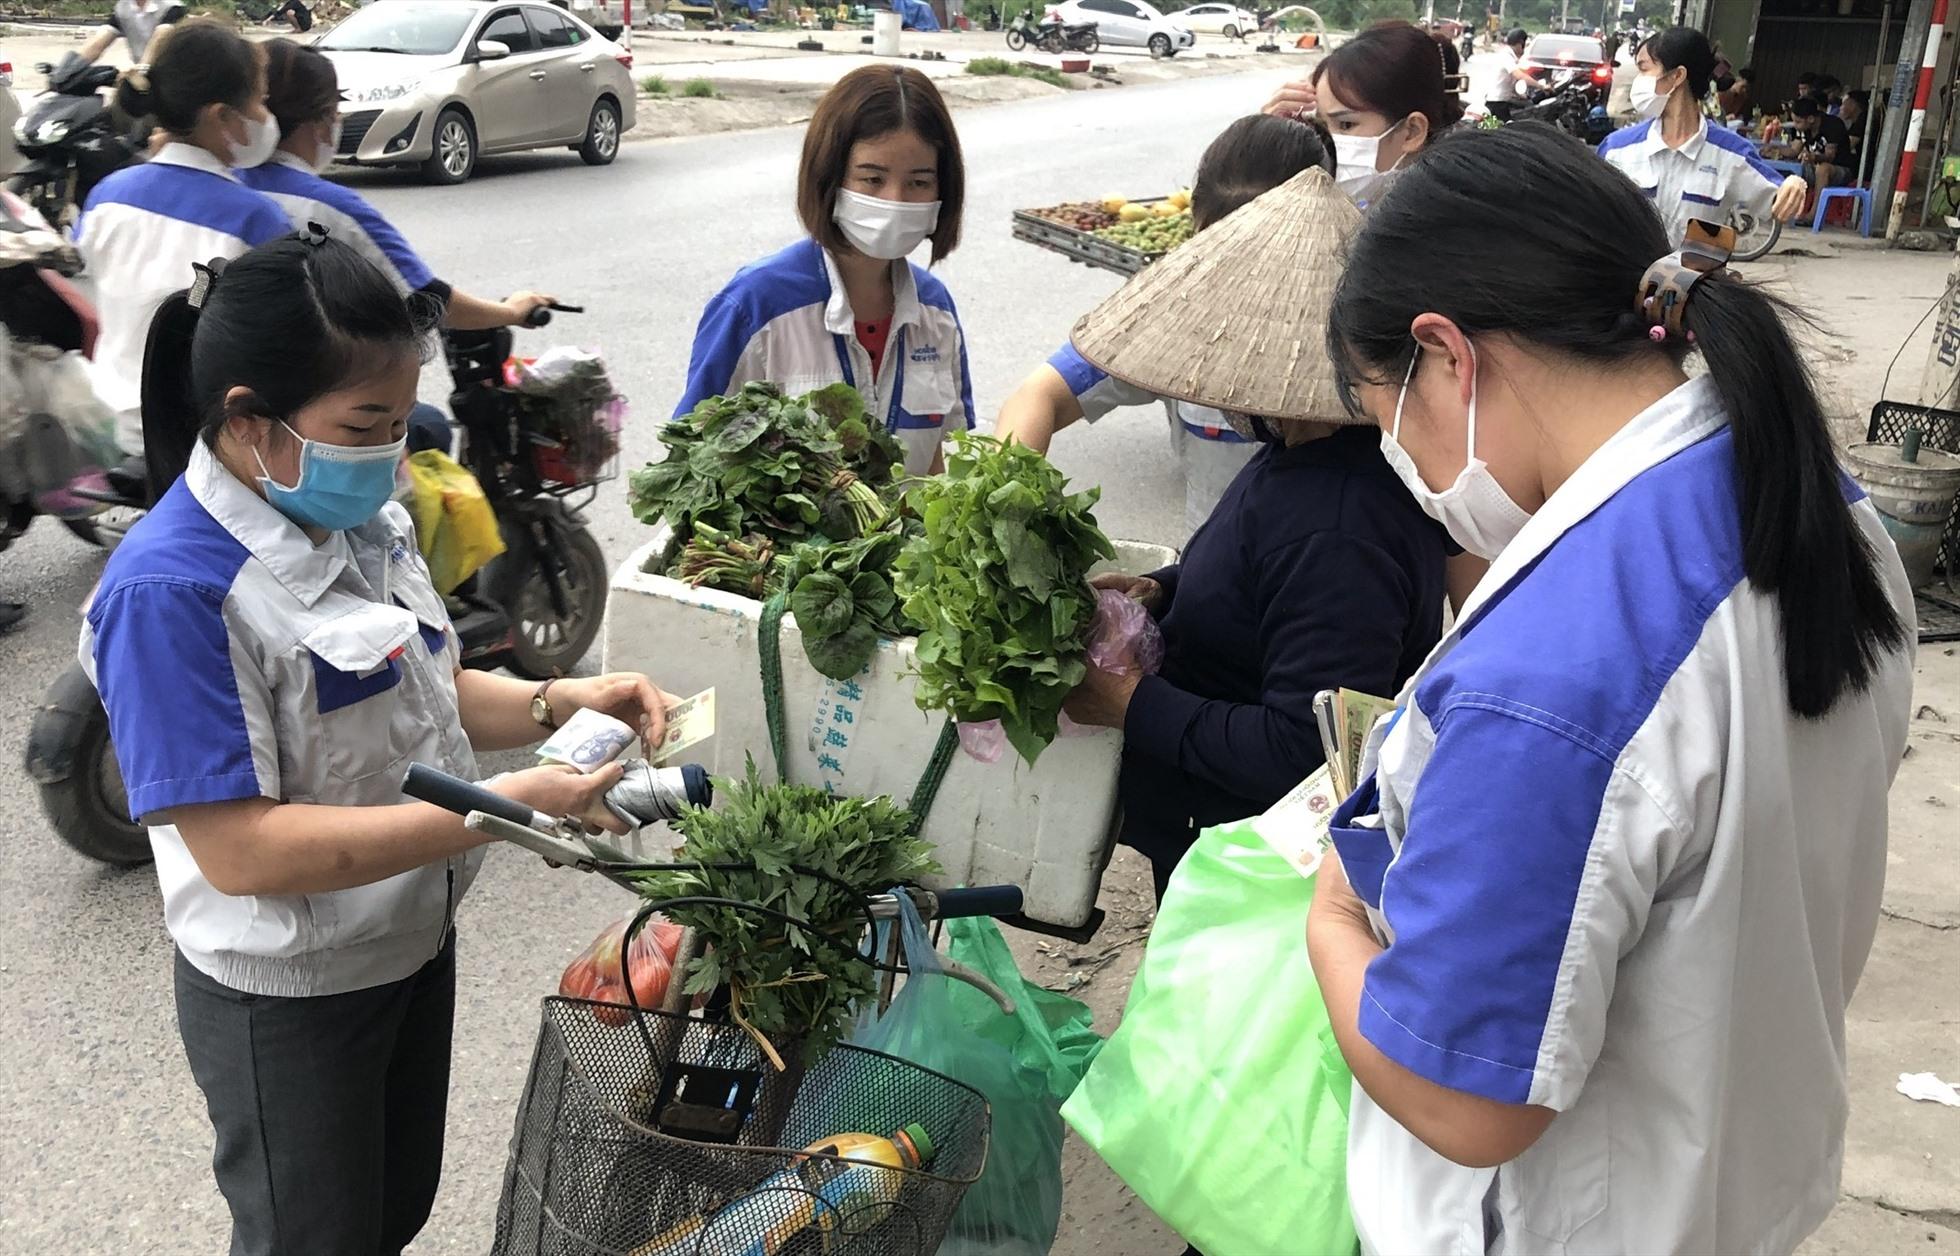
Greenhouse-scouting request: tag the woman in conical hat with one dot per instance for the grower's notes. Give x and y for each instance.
(1316, 570)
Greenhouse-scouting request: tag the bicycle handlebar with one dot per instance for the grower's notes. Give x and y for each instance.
(978, 900)
(428, 785)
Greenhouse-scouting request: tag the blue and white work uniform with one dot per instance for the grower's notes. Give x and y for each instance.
(1210, 454)
(307, 198)
(1708, 177)
(786, 320)
(238, 660)
(1617, 877)
(142, 231)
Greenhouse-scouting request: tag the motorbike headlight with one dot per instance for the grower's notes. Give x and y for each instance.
(387, 91)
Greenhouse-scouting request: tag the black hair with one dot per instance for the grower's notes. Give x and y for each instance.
(1684, 47)
(1565, 283)
(201, 64)
(1392, 69)
(1747, 74)
(301, 85)
(290, 322)
(1807, 79)
(1806, 107)
(1516, 37)
(1252, 157)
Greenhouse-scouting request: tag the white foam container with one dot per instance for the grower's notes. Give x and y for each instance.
(1047, 828)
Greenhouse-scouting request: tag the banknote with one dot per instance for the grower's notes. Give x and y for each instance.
(689, 721)
(588, 741)
(1296, 826)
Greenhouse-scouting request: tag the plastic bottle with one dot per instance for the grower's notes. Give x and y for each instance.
(845, 1192)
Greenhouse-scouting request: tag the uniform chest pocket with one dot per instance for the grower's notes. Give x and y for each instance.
(359, 670)
(1703, 190)
(931, 390)
(1357, 833)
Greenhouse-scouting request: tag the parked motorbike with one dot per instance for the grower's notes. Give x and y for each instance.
(536, 609)
(1023, 31)
(70, 139)
(1574, 101)
(1070, 37)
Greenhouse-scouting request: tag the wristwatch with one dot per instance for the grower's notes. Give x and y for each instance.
(541, 705)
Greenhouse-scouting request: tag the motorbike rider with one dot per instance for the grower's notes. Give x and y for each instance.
(272, 657)
(136, 23)
(146, 225)
(1249, 158)
(1687, 168)
(1511, 82)
(303, 95)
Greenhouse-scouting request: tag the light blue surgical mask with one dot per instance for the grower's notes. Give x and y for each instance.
(340, 486)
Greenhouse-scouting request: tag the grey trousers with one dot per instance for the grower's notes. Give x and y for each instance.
(329, 1111)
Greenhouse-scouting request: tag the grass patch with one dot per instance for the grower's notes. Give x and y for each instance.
(700, 89)
(1000, 67)
(654, 85)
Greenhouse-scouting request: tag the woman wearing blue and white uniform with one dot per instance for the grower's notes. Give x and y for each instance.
(303, 93)
(1250, 157)
(273, 658)
(1687, 166)
(1615, 867)
(144, 227)
(881, 174)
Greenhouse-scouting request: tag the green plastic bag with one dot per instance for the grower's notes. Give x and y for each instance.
(1025, 1064)
(1222, 1098)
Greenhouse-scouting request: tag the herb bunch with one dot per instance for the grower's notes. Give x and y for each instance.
(998, 583)
(842, 597)
(788, 985)
(757, 461)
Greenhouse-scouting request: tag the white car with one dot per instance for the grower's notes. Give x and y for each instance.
(435, 83)
(1129, 24)
(1218, 19)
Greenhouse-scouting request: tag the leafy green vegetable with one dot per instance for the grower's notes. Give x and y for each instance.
(786, 469)
(738, 564)
(998, 583)
(843, 600)
(787, 984)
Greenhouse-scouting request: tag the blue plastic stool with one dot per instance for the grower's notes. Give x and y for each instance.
(1862, 211)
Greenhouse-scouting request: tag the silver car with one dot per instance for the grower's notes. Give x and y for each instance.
(438, 83)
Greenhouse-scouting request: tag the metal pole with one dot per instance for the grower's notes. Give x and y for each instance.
(1909, 155)
(1885, 159)
(1865, 155)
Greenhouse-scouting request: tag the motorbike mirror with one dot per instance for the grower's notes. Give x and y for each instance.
(491, 50)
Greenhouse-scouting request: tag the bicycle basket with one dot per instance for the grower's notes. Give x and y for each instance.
(616, 1152)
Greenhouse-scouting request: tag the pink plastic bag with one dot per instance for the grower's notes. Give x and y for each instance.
(1122, 639)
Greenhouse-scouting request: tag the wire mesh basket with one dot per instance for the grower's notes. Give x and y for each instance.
(1939, 429)
(672, 1136)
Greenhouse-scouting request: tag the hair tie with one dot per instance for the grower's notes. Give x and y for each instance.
(205, 281)
(314, 234)
(1662, 301)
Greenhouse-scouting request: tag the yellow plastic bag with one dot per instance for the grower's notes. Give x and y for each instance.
(454, 526)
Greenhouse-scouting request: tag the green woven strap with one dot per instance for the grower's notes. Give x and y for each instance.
(769, 644)
(935, 774)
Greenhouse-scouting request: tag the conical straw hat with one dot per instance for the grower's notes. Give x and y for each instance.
(1236, 318)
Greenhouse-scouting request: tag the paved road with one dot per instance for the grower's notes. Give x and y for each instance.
(107, 1146)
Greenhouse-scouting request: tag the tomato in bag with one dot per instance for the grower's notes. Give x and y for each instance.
(595, 974)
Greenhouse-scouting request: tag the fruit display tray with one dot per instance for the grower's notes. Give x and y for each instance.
(1082, 246)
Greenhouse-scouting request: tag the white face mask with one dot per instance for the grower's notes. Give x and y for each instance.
(1355, 157)
(1476, 511)
(261, 141)
(1647, 102)
(324, 155)
(884, 229)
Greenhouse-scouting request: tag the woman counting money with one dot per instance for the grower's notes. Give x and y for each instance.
(1616, 864)
(273, 657)
(881, 176)
(1316, 571)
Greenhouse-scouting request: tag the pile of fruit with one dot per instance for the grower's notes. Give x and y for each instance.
(1150, 229)
(1081, 215)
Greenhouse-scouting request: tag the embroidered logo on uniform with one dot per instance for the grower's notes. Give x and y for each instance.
(925, 354)
(1709, 170)
(399, 552)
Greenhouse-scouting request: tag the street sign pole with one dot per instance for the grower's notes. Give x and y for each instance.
(1909, 155)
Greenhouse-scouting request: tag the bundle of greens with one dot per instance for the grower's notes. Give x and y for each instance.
(786, 984)
(739, 564)
(998, 583)
(842, 597)
(787, 469)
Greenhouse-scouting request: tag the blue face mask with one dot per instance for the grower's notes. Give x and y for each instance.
(340, 486)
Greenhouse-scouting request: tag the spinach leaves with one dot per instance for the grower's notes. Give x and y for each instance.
(998, 583)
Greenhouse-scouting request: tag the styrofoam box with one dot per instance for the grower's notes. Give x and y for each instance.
(1047, 828)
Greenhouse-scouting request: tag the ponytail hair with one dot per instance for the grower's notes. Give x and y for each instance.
(1566, 283)
(289, 322)
(203, 64)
